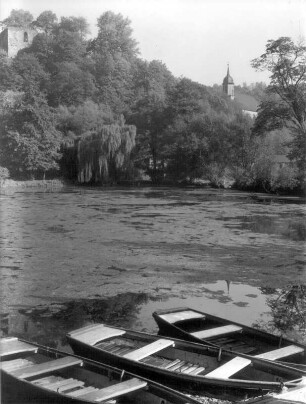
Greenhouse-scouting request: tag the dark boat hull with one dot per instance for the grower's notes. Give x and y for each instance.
(16, 390)
(260, 341)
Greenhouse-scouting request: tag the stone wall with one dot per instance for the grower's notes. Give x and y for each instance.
(13, 39)
(4, 40)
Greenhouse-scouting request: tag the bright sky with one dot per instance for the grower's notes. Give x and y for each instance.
(194, 38)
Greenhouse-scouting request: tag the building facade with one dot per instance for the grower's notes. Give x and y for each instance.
(13, 39)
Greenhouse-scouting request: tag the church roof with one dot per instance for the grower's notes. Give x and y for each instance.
(246, 101)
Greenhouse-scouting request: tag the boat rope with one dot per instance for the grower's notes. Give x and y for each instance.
(294, 382)
(290, 363)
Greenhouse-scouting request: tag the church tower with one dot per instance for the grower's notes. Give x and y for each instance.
(228, 85)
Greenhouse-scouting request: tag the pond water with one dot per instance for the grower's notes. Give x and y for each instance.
(74, 256)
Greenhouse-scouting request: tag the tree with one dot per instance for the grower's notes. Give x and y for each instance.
(47, 21)
(18, 18)
(152, 83)
(114, 52)
(102, 154)
(84, 118)
(78, 25)
(71, 85)
(288, 312)
(29, 140)
(285, 105)
(9, 78)
(32, 76)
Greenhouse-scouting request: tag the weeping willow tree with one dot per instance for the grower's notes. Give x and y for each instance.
(102, 155)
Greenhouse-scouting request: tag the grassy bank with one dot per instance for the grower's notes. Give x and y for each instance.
(7, 183)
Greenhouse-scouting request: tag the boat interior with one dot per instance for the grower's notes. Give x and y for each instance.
(178, 357)
(230, 336)
(72, 377)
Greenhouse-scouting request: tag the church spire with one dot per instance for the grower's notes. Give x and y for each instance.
(228, 84)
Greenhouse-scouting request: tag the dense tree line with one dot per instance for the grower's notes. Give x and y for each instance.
(93, 110)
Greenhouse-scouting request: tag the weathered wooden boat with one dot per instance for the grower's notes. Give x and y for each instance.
(294, 395)
(185, 365)
(196, 326)
(43, 374)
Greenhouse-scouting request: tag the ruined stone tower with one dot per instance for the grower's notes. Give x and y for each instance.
(13, 39)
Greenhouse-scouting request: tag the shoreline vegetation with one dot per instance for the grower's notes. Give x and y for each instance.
(58, 183)
(55, 183)
(92, 110)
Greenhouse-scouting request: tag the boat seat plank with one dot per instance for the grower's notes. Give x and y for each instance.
(46, 367)
(15, 364)
(186, 367)
(114, 349)
(176, 366)
(280, 353)
(195, 372)
(95, 334)
(165, 364)
(124, 351)
(180, 316)
(12, 346)
(57, 383)
(149, 349)
(191, 369)
(81, 392)
(115, 390)
(172, 363)
(230, 368)
(45, 380)
(212, 332)
(72, 385)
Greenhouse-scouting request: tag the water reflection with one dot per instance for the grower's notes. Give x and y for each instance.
(277, 311)
(47, 324)
(291, 228)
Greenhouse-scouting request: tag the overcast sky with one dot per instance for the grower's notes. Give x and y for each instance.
(194, 38)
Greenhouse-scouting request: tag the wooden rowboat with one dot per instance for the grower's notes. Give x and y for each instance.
(196, 326)
(33, 373)
(187, 366)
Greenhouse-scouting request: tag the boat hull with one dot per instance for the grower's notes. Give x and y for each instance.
(223, 388)
(252, 341)
(22, 390)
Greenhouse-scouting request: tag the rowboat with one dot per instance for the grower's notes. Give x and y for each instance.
(187, 366)
(196, 326)
(48, 375)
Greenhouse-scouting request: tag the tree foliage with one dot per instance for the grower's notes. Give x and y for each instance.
(102, 154)
(285, 104)
(29, 141)
(46, 21)
(65, 90)
(18, 18)
(114, 52)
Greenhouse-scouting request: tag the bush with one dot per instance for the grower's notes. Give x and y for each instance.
(284, 179)
(4, 173)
